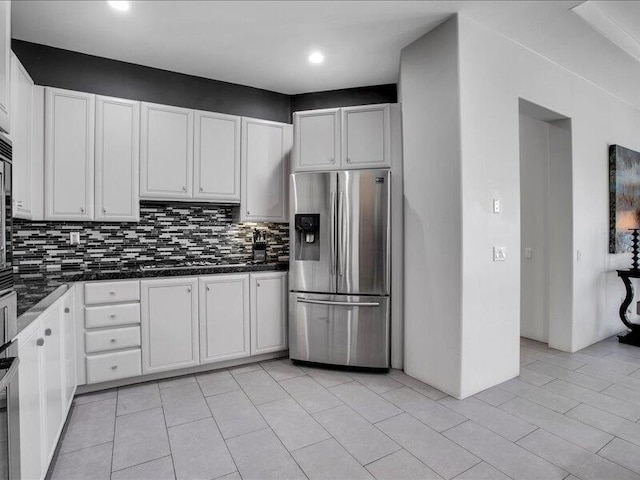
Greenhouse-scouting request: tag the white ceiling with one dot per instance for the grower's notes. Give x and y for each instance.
(265, 43)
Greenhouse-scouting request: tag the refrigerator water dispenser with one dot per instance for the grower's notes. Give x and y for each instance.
(307, 227)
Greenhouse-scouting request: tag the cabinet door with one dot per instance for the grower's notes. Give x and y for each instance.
(169, 324)
(117, 155)
(69, 153)
(216, 161)
(68, 332)
(5, 64)
(52, 379)
(366, 136)
(268, 312)
(21, 136)
(31, 411)
(166, 152)
(224, 317)
(266, 147)
(317, 140)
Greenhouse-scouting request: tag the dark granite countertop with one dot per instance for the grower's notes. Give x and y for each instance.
(37, 291)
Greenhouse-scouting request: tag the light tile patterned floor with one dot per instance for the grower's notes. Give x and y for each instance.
(571, 416)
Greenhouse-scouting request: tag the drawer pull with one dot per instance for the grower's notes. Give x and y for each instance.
(48, 332)
(113, 315)
(40, 342)
(66, 310)
(112, 293)
(113, 340)
(114, 367)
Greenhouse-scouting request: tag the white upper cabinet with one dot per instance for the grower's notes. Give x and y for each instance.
(166, 152)
(216, 162)
(224, 317)
(169, 321)
(5, 64)
(317, 140)
(117, 155)
(266, 148)
(366, 136)
(69, 154)
(22, 91)
(268, 312)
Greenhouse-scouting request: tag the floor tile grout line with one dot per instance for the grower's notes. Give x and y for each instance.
(113, 445)
(83, 448)
(143, 463)
(166, 429)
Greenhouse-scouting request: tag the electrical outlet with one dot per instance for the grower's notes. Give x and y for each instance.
(74, 238)
(499, 254)
(528, 252)
(496, 205)
(578, 255)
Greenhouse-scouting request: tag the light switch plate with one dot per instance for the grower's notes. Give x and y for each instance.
(528, 252)
(496, 205)
(499, 254)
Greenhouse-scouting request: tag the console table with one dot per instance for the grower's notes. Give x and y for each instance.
(633, 337)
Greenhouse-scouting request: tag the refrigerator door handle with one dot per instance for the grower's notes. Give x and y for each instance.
(341, 304)
(332, 246)
(341, 235)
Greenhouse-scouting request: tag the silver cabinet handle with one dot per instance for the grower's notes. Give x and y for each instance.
(184, 189)
(201, 189)
(48, 332)
(341, 235)
(189, 289)
(113, 340)
(104, 210)
(66, 310)
(258, 284)
(40, 342)
(112, 293)
(248, 212)
(331, 160)
(113, 315)
(339, 304)
(114, 367)
(348, 160)
(208, 288)
(81, 209)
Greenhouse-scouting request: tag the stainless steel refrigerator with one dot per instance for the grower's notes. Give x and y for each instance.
(340, 268)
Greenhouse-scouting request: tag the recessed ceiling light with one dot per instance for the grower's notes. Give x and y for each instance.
(316, 57)
(120, 5)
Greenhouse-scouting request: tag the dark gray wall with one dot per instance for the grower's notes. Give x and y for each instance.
(345, 97)
(55, 67)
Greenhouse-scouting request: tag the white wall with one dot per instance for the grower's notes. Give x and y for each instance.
(534, 219)
(431, 141)
(460, 86)
(494, 73)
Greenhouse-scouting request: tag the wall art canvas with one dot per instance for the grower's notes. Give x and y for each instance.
(624, 197)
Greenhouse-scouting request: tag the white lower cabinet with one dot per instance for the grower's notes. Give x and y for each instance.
(224, 317)
(45, 386)
(268, 312)
(169, 321)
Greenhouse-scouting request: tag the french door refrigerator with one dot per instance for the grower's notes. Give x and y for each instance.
(340, 268)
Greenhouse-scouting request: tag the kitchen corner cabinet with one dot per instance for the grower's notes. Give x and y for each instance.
(224, 317)
(169, 324)
(166, 152)
(47, 383)
(317, 140)
(266, 148)
(22, 98)
(216, 161)
(268, 312)
(117, 160)
(69, 155)
(5, 64)
(366, 136)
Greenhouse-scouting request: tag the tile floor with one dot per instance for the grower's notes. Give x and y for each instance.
(571, 416)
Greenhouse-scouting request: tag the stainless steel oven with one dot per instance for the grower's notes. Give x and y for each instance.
(6, 269)
(9, 400)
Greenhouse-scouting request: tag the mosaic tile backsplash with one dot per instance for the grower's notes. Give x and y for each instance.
(167, 234)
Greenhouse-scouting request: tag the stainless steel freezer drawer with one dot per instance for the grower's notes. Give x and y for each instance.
(347, 330)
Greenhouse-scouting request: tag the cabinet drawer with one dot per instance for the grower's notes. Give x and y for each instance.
(111, 292)
(112, 339)
(111, 366)
(112, 315)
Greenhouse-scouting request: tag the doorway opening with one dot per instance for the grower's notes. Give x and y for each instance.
(546, 226)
